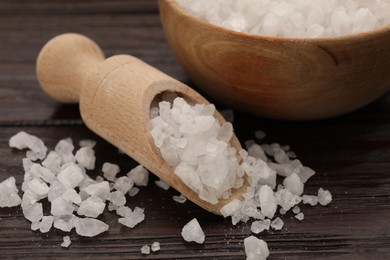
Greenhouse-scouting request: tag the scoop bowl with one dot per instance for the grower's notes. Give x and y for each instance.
(280, 78)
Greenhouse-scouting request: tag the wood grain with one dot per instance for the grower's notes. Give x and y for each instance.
(351, 154)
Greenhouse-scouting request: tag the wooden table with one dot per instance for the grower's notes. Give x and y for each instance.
(351, 154)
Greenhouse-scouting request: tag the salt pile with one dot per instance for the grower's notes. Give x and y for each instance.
(196, 146)
(255, 249)
(76, 200)
(192, 232)
(294, 18)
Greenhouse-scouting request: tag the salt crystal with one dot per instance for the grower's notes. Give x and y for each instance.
(112, 207)
(296, 210)
(85, 156)
(56, 190)
(133, 218)
(46, 224)
(162, 184)
(101, 190)
(300, 216)
(24, 140)
(286, 199)
(61, 207)
(71, 176)
(192, 232)
(89, 227)
(72, 196)
(43, 173)
(38, 187)
(231, 207)
(260, 225)
(91, 207)
(255, 249)
(179, 199)
(145, 250)
(66, 241)
(110, 171)
(308, 199)
(123, 211)
(117, 198)
(124, 184)
(9, 193)
(87, 143)
(324, 197)
(53, 162)
(64, 223)
(139, 175)
(33, 212)
(267, 201)
(64, 149)
(277, 224)
(155, 246)
(133, 191)
(293, 184)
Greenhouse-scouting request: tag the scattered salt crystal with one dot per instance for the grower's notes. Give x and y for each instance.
(296, 210)
(112, 207)
(124, 184)
(9, 193)
(277, 224)
(155, 246)
(300, 216)
(132, 218)
(87, 143)
(89, 227)
(53, 162)
(61, 207)
(33, 212)
(145, 250)
(231, 207)
(286, 199)
(66, 242)
(101, 190)
(310, 199)
(24, 140)
(255, 249)
(71, 176)
(91, 207)
(46, 224)
(43, 173)
(324, 197)
(85, 156)
(110, 171)
(117, 198)
(123, 211)
(64, 149)
(260, 225)
(192, 232)
(56, 190)
(64, 223)
(179, 199)
(38, 187)
(139, 175)
(267, 201)
(162, 184)
(133, 191)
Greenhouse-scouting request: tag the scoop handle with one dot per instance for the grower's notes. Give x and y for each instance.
(63, 64)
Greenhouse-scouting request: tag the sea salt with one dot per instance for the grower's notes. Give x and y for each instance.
(85, 156)
(89, 227)
(162, 184)
(179, 199)
(196, 146)
(66, 241)
(300, 216)
(260, 225)
(110, 170)
(9, 193)
(91, 207)
(277, 223)
(139, 175)
(192, 232)
(324, 197)
(145, 250)
(293, 19)
(22, 140)
(155, 246)
(255, 249)
(131, 218)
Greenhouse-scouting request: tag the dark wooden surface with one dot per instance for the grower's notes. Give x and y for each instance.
(351, 154)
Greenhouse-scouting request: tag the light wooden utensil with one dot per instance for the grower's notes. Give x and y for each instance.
(115, 97)
(293, 79)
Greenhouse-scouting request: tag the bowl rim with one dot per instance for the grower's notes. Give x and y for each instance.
(340, 38)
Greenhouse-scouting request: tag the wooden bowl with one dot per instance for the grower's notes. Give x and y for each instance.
(293, 79)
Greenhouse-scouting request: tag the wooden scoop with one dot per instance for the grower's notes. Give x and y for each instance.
(115, 97)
